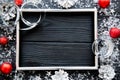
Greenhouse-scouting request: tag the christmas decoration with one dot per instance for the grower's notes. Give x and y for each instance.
(18, 2)
(6, 68)
(103, 48)
(3, 40)
(27, 22)
(106, 72)
(104, 3)
(66, 3)
(60, 75)
(9, 14)
(114, 32)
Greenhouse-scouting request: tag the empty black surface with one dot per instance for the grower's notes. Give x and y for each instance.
(61, 39)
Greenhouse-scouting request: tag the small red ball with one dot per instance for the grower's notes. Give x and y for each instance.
(104, 3)
(18, 2)
(114, 32)
(6, 68)
(3, 40)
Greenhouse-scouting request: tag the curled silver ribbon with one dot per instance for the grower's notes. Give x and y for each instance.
(28, 23)
(98, 45)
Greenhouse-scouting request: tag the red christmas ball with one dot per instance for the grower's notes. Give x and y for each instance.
(6, 68)
(104, 3)
(114, 32)
(3, 40)
(18, 2)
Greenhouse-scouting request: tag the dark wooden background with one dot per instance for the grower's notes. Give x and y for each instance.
(61, 39)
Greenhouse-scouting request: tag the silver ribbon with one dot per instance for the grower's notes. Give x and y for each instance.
(28, 23)
(108, 44)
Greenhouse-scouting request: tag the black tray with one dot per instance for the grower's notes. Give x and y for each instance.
(61, 40)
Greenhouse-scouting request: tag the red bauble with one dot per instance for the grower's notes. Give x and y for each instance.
(114, 32)
(18, 2)
(104, 3)
(3, 40)
(6, 68)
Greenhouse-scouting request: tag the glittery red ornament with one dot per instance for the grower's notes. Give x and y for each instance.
(18, 2)
(3, 40)
(114, 32)
(6, 68)
(104, 3)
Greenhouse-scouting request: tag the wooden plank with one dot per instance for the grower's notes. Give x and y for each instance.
(61, 27)
(55, 54)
